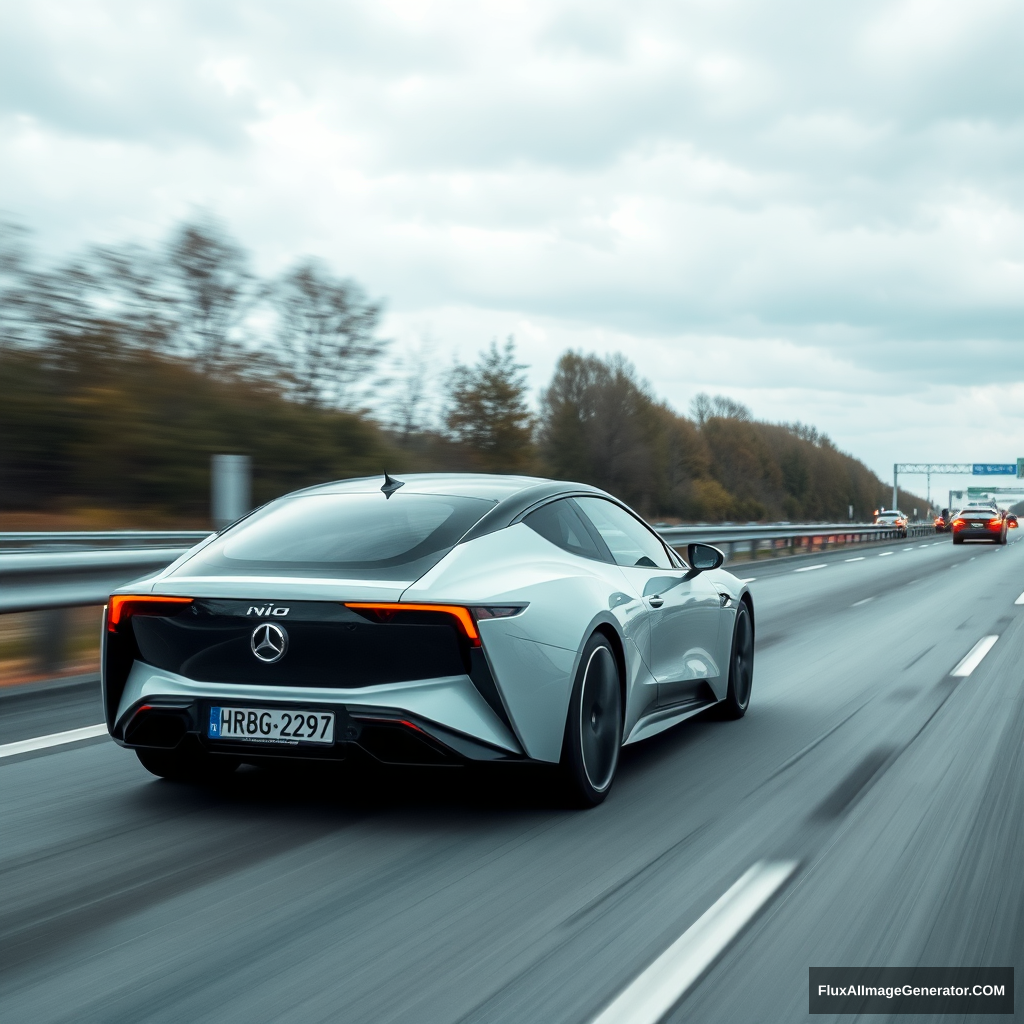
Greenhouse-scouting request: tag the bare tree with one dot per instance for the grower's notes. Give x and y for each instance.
(412, 411)
(327, 334)
(704, 407)
(131, 283)
(216, 292)
(700, 408)
(15, 319)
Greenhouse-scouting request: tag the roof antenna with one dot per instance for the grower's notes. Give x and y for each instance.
(391, 485)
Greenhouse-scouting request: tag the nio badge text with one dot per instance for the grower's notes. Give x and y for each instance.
(267, 610)
(269, 642)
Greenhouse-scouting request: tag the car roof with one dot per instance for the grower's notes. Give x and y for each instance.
(495, 486)
(513, 496)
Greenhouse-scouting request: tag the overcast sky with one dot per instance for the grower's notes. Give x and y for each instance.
(814, 208)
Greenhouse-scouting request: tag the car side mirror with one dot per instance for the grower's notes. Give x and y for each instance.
(703, 557)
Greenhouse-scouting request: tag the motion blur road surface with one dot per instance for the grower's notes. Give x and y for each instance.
(895, 786)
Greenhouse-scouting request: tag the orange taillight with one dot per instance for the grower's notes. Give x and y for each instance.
(387, 609)
(121, 606)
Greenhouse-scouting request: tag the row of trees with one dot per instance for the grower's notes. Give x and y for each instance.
(600, 423)
(122, 370)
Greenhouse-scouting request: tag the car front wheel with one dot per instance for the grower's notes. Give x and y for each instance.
(593, 727)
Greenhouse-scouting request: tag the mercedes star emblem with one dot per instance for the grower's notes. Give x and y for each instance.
(269, 642)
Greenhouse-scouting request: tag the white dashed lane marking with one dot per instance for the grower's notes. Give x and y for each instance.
(857, 604)
(811, 568)
(1020, 600)
(974, 656)
(55, 739)
(859, 558)
(884, 553)
(657, 989)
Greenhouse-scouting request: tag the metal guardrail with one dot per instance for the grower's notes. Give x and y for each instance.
(41, 571)
(786, 536)
(37, 580)
(67, 569)
(28, 539)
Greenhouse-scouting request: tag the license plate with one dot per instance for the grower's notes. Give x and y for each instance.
(263, 725)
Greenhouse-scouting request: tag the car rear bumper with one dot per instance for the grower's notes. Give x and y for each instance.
(422, 722)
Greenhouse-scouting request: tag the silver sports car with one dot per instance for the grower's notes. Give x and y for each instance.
(439, 618)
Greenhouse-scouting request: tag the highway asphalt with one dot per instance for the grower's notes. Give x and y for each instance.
(875, 797)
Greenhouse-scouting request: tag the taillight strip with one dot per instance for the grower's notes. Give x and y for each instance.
(462, 615)
(120, 606)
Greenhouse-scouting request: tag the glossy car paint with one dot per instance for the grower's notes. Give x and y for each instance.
(671, 628)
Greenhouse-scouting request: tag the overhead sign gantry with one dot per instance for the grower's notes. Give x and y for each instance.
(952, 469)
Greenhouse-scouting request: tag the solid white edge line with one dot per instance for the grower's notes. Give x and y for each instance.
(1020, 600)
(657, 989)
(859, 558)
(811, 568)
(974, 656)
(56, 739)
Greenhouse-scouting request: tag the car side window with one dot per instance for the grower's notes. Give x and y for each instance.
(630, 542)
(561, 524)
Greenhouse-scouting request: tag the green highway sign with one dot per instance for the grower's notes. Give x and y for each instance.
(982, 492)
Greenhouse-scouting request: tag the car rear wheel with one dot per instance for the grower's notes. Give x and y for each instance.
(593, 727)
(187, 765)
(958, 540)
(741, 666)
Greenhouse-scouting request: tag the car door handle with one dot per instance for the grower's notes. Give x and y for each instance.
(656, 601)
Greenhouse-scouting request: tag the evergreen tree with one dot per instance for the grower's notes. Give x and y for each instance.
(488, 414)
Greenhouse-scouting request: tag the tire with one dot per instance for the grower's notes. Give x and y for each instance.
(187, 765)
(741, 666)
(958, 540)
(593, 726)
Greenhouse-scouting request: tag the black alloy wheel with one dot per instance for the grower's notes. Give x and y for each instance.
(741, 666)
(187, 764)
(593, 727)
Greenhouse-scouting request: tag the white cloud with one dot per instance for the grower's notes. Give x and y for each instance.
(814, 208)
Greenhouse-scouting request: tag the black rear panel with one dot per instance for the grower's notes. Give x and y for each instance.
(329, 645)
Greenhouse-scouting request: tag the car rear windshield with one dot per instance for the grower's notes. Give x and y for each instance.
(354, 536)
